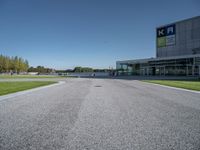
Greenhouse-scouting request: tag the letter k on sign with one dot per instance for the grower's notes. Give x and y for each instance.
(161, 32)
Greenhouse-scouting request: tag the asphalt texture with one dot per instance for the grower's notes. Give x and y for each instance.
(101, 114)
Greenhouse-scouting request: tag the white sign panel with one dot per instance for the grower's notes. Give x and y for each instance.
(170, 40)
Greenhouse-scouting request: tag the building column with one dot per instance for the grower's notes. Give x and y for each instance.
(199, 70)
(192, 70)
(160, 70)
(193, 66)
(175, 70)
(164, 70)
(121, 66)
(187, 70)
(127, 71)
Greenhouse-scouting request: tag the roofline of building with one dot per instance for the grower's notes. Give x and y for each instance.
(178, 22)
(158, 59)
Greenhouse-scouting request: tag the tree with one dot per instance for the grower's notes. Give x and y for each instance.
(6, 64)
(14, 64)
(1, 63)
(78, 69)
(26, 65)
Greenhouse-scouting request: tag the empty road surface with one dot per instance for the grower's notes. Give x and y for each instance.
(101, 114)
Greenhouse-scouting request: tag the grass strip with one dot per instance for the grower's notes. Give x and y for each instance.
(28, 76)
(190, 85)
(12, 87)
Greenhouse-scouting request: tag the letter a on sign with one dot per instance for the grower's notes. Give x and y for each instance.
(171, 30)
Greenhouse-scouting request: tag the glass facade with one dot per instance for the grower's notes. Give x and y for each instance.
(189, 66)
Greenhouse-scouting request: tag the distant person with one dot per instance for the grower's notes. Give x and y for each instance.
(93, 74)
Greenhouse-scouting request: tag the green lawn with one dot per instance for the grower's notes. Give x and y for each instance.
(190, 85)
(11, 87)
(28, 76)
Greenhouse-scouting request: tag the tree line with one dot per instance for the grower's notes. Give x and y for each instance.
(40, 70)
(80, 69)
(13, 64)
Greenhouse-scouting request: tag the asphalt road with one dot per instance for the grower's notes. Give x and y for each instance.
(101, 114)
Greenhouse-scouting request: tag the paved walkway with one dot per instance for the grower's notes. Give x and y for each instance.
(101, 114)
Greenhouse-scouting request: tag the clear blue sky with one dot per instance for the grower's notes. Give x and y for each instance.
(66, 33)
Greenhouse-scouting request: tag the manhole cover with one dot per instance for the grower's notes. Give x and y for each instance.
(97, 86)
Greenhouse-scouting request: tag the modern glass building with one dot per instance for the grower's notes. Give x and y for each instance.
(177, 52)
